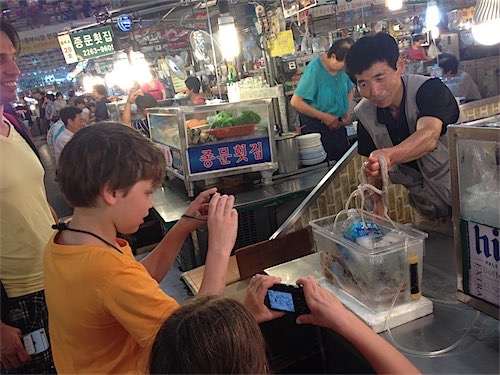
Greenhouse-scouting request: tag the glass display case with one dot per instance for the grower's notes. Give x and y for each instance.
(211, 141)
(475, 178)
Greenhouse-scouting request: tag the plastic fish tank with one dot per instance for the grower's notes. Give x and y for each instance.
(376, 276)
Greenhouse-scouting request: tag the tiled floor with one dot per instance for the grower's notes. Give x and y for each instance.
(171, 284)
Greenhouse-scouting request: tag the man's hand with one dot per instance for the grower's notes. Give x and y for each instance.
(134, 94)
(330, 120)
(12, 352)
(372, 165)
(346, 119)
(254, 298)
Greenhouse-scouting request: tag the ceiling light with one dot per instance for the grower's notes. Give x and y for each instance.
(394, 4)
(228, 37)
(486, 22)
(432, 17)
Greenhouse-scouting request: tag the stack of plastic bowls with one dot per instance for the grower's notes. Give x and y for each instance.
(310, 149)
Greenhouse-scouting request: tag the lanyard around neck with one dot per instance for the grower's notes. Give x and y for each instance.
(64, 226)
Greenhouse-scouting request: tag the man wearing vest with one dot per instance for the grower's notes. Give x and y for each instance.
(403, 119)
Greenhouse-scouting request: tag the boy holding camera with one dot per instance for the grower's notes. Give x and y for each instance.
(105, 307)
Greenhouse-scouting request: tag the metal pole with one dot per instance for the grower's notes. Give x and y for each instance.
(213, 50)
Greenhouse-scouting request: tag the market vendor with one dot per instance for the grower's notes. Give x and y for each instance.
(403, 118)
(416, 52)
(155, 88)
(193, 86)
(323, 98)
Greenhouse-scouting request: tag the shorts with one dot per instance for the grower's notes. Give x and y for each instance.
(29, 313)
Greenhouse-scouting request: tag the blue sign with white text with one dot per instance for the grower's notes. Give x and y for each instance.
(212, 157)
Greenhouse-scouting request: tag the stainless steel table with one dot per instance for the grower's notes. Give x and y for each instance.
(171, 200)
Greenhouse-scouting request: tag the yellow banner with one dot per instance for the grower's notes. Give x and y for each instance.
(282, 45)
(39, 43)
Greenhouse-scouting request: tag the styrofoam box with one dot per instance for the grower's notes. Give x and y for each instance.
(372, 276)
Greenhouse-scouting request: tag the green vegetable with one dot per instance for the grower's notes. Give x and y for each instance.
(247, 117)
(223, 120)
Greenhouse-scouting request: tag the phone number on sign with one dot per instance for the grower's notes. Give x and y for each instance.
(95, 51)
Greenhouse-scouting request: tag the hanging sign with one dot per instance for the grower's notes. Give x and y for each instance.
(88, 44)
(67, 48)
(124, 22)
(291, 7)
(283, 44)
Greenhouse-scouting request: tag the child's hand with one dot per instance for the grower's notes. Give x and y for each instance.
(254, 298)
(197, 213)
(222, 223)
(326, 309)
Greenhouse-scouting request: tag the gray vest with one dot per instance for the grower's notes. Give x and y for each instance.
(430, 186)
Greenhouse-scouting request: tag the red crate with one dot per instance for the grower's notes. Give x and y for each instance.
(233, 131)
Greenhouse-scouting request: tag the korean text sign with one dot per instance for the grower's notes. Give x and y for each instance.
(214, 157)
(88, 44)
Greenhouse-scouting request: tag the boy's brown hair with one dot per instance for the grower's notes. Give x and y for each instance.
(107, 154)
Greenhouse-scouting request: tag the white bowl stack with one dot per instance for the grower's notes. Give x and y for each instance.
(310, 149)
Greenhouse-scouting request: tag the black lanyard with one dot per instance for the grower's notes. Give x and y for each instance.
(64, 226)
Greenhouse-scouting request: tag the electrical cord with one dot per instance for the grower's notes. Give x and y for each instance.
(432, 353)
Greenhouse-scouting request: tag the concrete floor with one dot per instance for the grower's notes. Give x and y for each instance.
(171, 284)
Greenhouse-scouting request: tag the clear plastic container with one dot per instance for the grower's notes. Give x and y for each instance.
(372, 276)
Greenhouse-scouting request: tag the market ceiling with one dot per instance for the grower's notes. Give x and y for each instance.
(37, 19)
(39, 22)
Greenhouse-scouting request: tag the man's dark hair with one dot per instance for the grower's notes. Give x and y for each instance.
(79, 100)
(448, 62)
(8, 29)
(69, 113)
(418, 38)
(193, 84)
(371, 49)
(145, 101)
(100, 89)
(340, 48)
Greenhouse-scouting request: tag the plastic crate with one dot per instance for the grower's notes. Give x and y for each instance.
(233, 131)
(372, 276)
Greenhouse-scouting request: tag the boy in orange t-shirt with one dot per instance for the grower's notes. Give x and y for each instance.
(105, 307)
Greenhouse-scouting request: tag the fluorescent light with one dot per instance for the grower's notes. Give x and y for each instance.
(228, 37)
(432, 17)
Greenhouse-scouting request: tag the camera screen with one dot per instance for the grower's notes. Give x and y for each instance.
(281, 300)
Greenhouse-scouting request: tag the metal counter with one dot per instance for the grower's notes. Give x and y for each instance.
(478, 352)
(171, 200)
